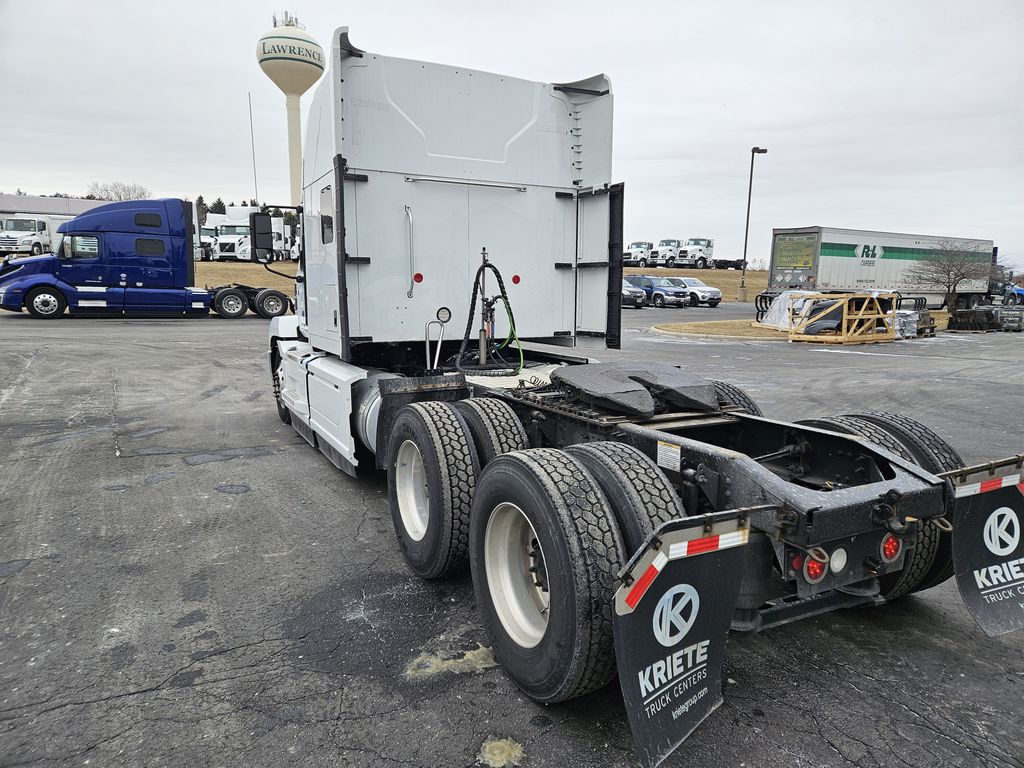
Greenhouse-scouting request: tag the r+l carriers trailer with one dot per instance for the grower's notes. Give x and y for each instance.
(458, 265)
(129, 258)
(829, 259)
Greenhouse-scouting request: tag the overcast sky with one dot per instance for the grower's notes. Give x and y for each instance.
(899, 116)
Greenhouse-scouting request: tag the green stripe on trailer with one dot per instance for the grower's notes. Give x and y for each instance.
(839, 249)
(845, 250)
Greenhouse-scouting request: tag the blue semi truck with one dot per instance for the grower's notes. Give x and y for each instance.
(131, 258)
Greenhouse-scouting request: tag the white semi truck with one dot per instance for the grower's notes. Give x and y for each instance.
(457, 265)
(28, 233)
(233, 234)
(832, 259)
(695, 252)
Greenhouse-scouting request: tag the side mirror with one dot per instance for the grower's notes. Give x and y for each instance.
(262, 231)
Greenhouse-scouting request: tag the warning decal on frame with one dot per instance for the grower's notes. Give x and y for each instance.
(669, 455)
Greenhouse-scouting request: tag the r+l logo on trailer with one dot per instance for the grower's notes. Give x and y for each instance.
(869, 254)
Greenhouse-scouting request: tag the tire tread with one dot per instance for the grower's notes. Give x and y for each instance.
(581, 502)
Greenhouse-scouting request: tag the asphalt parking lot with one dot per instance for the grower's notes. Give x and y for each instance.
(184, 582)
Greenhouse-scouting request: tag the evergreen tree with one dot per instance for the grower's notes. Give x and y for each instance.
(201, 210)
(217, 206)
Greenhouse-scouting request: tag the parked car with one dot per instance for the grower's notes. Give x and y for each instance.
(659, 291)
(638, 253)
(699, 292)
(633, 297)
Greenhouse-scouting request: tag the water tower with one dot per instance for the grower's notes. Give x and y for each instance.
(290, 57)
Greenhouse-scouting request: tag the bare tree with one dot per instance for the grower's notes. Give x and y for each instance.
(118, 190)
(949, 264)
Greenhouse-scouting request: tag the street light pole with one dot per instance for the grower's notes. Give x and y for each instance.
(746, 232)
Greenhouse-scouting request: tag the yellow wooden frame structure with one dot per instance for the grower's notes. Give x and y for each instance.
(863, 319)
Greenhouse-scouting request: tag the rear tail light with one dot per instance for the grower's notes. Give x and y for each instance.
(890, 548)
(814, 570)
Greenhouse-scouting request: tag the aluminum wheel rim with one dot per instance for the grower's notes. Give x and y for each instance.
(45, 303)
(231, 304)
(516, 575)
(272, 304)
(411, 489)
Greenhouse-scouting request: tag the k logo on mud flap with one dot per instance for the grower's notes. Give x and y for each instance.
(675, 614)
(1002, 532)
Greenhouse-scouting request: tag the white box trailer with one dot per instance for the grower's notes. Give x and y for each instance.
(832, 259)
(571, 489)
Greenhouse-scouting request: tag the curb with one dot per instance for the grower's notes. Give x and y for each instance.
(656, 331)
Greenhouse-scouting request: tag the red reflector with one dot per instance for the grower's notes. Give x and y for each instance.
(641, 586)
(515, 279)
(418, 277)
(891, 547)
(798, 562)
(814, 571)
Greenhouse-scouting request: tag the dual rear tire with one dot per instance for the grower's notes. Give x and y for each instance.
(545, 533)
(929, 560)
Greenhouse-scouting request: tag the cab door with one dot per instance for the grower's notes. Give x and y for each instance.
(85, 266)
(145, 267)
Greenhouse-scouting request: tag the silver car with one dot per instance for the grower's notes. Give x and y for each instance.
(700, 293)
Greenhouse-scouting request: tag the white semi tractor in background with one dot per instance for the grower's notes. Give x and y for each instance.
(231, 237)
(457, 267)
(832, 259)
(695, 252)
(27, 233)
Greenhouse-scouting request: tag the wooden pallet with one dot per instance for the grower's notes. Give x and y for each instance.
(862, 318)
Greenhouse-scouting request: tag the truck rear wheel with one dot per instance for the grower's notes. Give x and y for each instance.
(934, 454)
(432, 474)
(494, 427)
(45, 303)
(545, 551)
(270, 303)
(732, 395)
(230, 303)
(921, 555)
(640, 495)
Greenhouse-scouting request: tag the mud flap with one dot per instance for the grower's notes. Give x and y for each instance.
(988, 546)
(672, 613)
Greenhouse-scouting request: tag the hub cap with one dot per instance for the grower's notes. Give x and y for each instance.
(232, 304)
(45, 303)
(411, 489)
(272, 304)
(516, 575)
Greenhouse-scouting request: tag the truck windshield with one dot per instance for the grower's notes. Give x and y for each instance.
(668, 242)
(20, 225)
(208, 232)
(696, 241)
(234, 230)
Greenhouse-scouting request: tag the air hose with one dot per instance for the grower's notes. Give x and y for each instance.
(479, 370)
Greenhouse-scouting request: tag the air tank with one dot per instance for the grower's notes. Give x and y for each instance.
(293, 60)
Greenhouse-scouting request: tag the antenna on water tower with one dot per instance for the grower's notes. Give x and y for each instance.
(293, 60)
